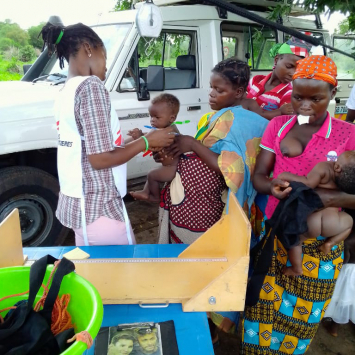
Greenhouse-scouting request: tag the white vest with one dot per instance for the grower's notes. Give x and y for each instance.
(69, 151)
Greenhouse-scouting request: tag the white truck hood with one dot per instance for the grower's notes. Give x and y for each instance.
(27, 116)
(22, 100)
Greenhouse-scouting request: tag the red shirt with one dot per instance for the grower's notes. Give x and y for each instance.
(270, 100)
(332, 139)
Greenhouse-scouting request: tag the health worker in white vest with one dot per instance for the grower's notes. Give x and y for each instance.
(92, 155)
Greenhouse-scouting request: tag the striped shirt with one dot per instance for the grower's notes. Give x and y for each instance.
(270, 100)
(92, 116)
(333, 138)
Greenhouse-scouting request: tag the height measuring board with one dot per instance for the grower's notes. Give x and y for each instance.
(210, 275)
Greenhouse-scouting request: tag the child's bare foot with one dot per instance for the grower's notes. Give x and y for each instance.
(290, 271)
(143, 196)
(325, 248)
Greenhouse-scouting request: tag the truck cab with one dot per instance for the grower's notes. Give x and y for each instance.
(193, 39)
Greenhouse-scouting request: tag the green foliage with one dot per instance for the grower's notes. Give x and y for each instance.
(17, 47)
(6, 44)
(14, 32)
(317, 6)
(280, 10)
(123, 5)
(13, 66)
(33, 33)
(27, 53)
(343, 28)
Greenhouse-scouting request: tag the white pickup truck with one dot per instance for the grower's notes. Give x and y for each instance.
(193, 39)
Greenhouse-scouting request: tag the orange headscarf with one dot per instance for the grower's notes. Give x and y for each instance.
(318, 67)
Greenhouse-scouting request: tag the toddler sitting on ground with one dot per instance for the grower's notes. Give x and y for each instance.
(163, 112)
(330, 223)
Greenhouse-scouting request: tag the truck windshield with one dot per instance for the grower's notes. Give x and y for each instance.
(113, 37)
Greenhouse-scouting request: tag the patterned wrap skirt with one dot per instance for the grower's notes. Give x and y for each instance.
(191, 203)
(289, 310)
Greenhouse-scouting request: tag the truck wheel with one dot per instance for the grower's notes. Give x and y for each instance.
(35, 194)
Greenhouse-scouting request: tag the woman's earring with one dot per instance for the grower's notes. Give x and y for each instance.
(89, 55)
(274, 67)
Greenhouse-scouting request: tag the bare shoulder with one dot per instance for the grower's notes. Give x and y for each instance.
(326, 170)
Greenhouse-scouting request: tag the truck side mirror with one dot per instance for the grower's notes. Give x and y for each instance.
(155, 78)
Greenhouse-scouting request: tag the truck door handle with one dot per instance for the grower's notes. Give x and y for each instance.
(193, 108)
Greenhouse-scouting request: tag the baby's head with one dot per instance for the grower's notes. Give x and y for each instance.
(163, 110)
(344, 169)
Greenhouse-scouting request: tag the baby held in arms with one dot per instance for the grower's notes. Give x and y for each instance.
(163, 112)
(329, 222)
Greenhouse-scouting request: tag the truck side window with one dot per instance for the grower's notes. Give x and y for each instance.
(172, 50)
(261, 40)
(345, 65)
(230, 46)
(251, 43)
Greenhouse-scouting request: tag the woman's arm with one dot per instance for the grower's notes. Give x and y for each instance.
(184, 144)
(207, 156)
(252, 105)
(264, 165)
(119, 156)
(262, 183)
(336, 198)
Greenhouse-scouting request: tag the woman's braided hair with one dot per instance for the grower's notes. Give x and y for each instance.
(235, 71)
(69, 43)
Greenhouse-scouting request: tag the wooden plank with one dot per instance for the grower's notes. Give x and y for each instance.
(11, 253)
(225, 293)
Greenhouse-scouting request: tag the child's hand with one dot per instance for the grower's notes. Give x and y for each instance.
(287, 109)
(280, 188)
(135, 133)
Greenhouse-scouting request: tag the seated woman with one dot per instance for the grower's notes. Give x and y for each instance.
(284, 312)
(223, 157)
(272, 93)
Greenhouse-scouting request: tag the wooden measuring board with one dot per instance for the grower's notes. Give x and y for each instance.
(11, 253)
(210, 275)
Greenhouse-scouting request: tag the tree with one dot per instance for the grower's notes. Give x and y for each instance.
(14, 32)
(27, 53)
(33, 33)
(123, 5)
(316, 6)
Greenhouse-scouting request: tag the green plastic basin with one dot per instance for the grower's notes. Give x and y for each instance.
(85, 306)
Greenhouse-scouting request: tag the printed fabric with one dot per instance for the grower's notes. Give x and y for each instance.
(289, 309)
(318, 67)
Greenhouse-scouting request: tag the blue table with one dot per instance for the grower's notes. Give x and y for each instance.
(192, 331)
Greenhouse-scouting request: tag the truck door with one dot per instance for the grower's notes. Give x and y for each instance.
(346, 72)
(177, 52)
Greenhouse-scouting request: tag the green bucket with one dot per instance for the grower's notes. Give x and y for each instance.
(85, 306)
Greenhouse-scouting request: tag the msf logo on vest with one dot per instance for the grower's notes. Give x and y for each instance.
(119, 139)
(63, 143)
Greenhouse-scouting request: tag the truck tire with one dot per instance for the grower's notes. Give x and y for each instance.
(35, 194)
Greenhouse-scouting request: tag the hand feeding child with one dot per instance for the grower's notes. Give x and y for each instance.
(163, 112)
(330, 222)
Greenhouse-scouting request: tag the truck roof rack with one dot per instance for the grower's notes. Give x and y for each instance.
(253, 5)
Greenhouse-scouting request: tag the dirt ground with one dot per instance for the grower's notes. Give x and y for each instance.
(144, 219)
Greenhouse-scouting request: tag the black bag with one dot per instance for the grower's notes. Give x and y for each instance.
(288, 221)
(26, 332)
